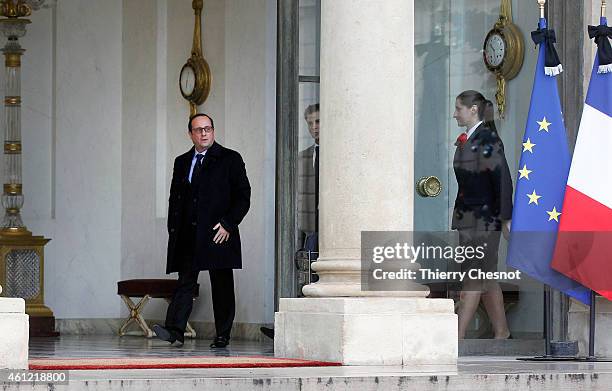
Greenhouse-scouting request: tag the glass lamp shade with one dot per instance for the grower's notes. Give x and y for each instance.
(37, 4)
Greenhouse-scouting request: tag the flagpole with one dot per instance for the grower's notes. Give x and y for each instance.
(547, 296)
(592, 319)
(547, 321)
(593, 309)
(544, 84)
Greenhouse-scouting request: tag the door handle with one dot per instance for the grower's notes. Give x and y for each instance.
(429, 186)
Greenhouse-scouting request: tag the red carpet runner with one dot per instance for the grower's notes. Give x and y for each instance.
(172, 362)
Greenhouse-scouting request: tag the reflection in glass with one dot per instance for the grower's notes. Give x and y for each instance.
(310, 37)
(448, 37)
(307, 186)
(308, 168)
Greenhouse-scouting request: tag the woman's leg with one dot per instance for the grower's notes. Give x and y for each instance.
(467, 307)
(493, 300)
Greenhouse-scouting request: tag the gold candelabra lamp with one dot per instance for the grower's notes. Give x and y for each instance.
(21, 253)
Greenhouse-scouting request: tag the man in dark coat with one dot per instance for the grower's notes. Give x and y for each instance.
(209, 196)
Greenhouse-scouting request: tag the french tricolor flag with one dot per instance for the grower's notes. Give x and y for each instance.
(583, 249)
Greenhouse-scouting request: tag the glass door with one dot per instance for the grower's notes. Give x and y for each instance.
(449, 36)
(431, 135)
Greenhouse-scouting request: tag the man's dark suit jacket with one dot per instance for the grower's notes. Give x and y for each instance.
(221, 193)
(306, 197)
(484, 196)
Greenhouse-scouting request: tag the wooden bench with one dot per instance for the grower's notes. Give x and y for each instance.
(147, 289)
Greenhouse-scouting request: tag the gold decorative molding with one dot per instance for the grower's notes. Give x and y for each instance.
(505, 14)
(12, 148)
(15, 231)
(13, 188)
(12, 60)
(14, 9)
(12, 100)
(196, 48)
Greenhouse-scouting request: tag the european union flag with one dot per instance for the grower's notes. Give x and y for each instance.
(542, 176)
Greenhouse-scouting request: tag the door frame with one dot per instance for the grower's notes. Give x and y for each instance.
(287, 139)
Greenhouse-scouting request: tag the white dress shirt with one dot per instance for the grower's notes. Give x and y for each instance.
(473, 129)
(194, 161)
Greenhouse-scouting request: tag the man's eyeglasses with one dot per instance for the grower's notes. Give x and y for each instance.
(207, 129)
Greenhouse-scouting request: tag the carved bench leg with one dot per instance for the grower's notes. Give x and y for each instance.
(190, 332)
(135, 315)
(130, 319)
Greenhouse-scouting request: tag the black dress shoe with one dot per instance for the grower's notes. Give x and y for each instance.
(267, 331)
(166, 335)
(219, 342)
(163, 334)
(178, 343)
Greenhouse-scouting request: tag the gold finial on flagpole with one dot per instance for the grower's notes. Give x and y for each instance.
(541, 5)
(603, 8)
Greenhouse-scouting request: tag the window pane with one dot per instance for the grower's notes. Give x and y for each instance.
(310, 43)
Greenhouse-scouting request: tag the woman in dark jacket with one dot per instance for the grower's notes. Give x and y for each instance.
(483, 205)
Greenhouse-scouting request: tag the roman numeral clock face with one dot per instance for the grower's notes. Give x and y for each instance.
(495, 50)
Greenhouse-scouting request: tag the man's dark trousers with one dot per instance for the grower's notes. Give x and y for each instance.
(224, 305)
(221, 283)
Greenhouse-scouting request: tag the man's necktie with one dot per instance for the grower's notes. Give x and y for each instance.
(197, 168)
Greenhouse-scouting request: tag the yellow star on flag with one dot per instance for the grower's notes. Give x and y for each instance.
(544, 124)
(533, 197)
(524, 172)
(554, 215)
(528, 146)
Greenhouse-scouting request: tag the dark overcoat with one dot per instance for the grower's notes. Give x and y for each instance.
(484, 195)
(221, 195)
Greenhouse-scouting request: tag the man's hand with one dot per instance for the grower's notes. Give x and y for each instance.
(222, 235)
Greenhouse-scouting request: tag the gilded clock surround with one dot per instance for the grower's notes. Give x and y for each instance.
(512, 62)
(203, 76)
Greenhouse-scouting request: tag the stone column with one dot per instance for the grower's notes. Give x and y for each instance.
(367, 184)
(367, 132)
(14, 333)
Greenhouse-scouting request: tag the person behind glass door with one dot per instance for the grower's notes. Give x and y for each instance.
(483, 206)
(308, 185)
(308, 192)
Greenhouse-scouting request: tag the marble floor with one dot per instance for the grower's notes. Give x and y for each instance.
(471, 373)
(131, 346)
